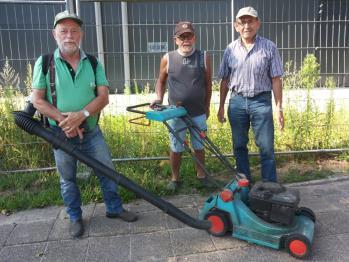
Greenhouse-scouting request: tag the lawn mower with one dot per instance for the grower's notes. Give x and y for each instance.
(267, 214)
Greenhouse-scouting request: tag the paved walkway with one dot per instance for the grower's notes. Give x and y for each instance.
(41, 234)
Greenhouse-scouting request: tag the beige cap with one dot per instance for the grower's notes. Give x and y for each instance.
(66, 15)
(249, 10)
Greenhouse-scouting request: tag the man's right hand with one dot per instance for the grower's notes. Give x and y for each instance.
(75, 132)
(220, 115)
(155, 103)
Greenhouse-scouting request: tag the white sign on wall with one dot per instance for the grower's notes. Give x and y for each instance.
(157, 47)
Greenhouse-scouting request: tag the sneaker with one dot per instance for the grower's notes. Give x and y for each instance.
(76, 228)
(125, 215)
(173, 185)
(208, 183)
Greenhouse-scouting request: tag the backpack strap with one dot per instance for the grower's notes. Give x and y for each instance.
(52, 68)
(53, 81)
(46, 62)
(93, 62)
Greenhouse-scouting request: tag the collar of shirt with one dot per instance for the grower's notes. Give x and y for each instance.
(186, 55)
(255, 41)
(57, 54)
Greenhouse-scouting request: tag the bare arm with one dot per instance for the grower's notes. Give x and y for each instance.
(160, 86)
(45, 108)
(223, 91)
(277, 91)
(208, 85)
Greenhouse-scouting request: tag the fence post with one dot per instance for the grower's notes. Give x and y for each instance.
(125, 44)
(99, 33)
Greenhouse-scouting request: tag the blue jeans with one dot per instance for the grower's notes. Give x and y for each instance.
(244, 112)
(93, 145)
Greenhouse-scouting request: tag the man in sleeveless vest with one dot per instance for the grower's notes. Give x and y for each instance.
(73, 106)
(187, 72)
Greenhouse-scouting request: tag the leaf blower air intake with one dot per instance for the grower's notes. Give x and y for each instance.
(34, 127)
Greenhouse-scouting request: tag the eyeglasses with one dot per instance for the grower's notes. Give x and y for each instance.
(185, 37)
(246, 22)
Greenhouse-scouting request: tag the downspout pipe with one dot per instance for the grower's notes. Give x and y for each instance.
(34, 127)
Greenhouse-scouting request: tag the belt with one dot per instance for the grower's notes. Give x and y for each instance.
(233, 93)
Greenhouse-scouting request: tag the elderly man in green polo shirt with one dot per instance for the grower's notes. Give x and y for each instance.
(72, 102)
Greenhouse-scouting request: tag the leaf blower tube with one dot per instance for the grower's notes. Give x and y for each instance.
(32, 126)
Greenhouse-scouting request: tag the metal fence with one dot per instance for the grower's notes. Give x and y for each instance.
(298, 27)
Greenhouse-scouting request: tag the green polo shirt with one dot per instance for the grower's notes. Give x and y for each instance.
(72, 95)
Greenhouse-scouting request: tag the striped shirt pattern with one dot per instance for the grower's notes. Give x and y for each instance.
(251, 72)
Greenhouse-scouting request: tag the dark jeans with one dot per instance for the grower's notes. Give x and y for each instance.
(94, 146)
(244, 112)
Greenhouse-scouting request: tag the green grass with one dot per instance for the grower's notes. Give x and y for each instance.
(34, 190)
(305, 129)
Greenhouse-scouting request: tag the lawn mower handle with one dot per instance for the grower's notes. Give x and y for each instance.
(34, 127)
(132, 108)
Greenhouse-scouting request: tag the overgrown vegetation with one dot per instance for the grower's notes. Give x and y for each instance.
(307, 127)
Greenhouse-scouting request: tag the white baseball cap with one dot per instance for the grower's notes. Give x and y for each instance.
(249, 10)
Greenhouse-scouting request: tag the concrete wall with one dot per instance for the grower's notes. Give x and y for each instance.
(297, 98)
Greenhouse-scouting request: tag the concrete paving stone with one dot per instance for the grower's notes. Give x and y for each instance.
(5, 231)
(66, 251)
(87, 212)
(321, 230)
(328, 244)
(228, 242)
(335, 221)
(38, 214)
(103, 226)
(30, 232)
(60, 230)
(105, 249)
(200, 257)
(341, 202)
(344, 188)
(154, 246)
(190, 241)
(331, 191)
(158, 237)
(329, 257)
(200, 200)
(99, 210)
(139, 206)
(181, 201)
(344, 238)
(255, 253)
(318, 205)
(149, 222)
(23, 253)
(172, 223)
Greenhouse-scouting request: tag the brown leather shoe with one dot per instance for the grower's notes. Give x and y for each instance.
(125, 215)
